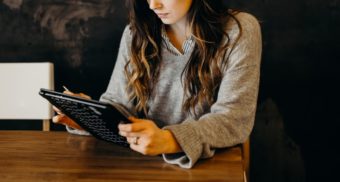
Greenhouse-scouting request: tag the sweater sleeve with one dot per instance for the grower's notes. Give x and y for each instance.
(116, 90)
(231, 117)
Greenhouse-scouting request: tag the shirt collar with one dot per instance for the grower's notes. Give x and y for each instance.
(187, 46)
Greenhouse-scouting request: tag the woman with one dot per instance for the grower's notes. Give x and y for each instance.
(191, 69)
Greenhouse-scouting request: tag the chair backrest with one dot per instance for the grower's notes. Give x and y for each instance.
(19, 87)
(246, 158)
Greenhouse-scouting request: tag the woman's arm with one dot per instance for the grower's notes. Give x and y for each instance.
(231, 117)
(116, 90)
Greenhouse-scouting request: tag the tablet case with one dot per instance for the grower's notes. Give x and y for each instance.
(98, 118)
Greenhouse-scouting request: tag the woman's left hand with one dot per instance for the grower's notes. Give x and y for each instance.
(145, 137)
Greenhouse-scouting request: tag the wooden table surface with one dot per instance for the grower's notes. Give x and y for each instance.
(32, 156)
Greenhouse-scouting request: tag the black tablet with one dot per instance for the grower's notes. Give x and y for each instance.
(98, 118)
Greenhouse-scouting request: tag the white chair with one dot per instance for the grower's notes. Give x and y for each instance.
(19, 91)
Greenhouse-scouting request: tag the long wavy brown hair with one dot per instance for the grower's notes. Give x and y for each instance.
(203, 72)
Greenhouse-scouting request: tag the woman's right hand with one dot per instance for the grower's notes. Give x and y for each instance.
(61, 118)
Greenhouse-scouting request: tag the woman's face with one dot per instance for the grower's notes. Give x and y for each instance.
(170, 11)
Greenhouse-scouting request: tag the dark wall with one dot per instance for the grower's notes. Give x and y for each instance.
(80, 37)
(296, 125)
(299, 72)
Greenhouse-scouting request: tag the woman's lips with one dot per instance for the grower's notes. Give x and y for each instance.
(162, 15)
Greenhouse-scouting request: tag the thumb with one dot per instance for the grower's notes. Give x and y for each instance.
(63, 119)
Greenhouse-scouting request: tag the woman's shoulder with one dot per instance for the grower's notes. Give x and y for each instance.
(243, 22)
(243, 19)
(126, 38)
(244, 32)
(127, 34)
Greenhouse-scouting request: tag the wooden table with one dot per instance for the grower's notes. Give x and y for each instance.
(32, 156)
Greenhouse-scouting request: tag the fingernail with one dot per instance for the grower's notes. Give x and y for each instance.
(55, 119)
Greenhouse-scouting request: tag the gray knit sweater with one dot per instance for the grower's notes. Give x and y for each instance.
(227, 122)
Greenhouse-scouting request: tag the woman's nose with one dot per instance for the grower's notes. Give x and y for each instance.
(155, 4)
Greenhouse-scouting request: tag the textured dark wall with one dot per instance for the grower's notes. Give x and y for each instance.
(296, 125)
(80, 37)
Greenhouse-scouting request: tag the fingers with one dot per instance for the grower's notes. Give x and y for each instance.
(143, 136)
(139, 148)
(142, 147)
(132, 130)
(138, 128)
(130, 134)
(134, 127)
(134, 140)
(57, 110)
(63, 119)
(139, 145)
(68, 92)
(84, 96)
(58, 118)
(77, 94)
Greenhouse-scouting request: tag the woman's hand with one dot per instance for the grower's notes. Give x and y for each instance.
(61, 118)
(146, 138)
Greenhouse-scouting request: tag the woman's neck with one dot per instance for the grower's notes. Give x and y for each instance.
(178, 33)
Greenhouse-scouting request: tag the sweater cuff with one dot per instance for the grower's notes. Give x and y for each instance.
(77, 132)
(190, 143)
